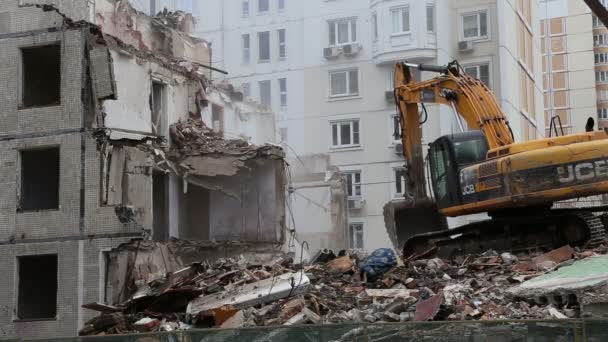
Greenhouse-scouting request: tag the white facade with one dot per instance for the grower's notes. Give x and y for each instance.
(355, 44)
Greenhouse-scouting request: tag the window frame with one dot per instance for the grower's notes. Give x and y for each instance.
(602, 113)
(478, 66)
(375, 33)
(246, 89)
(348, 83)
(352, 38)
(598, 58)
(260, 60)
(246, 55)
(269, 104)
(479, 36)
(396, 169)
(401, 9)
(245, 8)
(354, 189)
(337, 144)
(267, 7)
(282, 43)
(394, 121)
(360, 226)
(598, 76)
(433, 24)
(282, 92)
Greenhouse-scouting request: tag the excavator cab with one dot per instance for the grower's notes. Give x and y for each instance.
(447, 156)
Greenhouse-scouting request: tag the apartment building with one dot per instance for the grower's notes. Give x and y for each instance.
(569, 81)
(107, 137)
(325, 67)
(600, 53)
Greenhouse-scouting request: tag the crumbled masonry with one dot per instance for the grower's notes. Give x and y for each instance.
(235, 293)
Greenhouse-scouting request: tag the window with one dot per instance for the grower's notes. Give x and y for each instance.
(246, 48)
(399, 181)
(396, 131)
(265, 98)
(375, 25)
(342, 31)
(401, 20)
(282, 44)
(41, 76)
(283, 134)
(479, 71)
(37, 296)
(600, 39)
(430, 18)
(153, 8)
(39, 181)
(602, 95)
(597, 23)
(263, 6)
(475, 25)
(355, 232)
(601, 58)
(345, 133)
(184, 5)
(602, 113)
(217, 118)
(281, 5)
(601, 76)
(283, 91)
(353, 184)
(159, 108)
(344, 83)
(245, 5)
(246, 90)
(264, 46)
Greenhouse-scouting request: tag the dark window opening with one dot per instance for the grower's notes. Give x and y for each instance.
(37, 297)
(160, 207)
(159, 105)
(39, 179)
(41, 83)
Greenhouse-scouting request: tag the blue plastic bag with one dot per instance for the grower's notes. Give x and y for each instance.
(378, 263)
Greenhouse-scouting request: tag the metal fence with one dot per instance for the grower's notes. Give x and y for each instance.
(474, 331)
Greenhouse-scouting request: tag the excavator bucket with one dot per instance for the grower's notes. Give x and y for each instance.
(405, 218)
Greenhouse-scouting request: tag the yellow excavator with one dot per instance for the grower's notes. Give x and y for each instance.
(481, 169)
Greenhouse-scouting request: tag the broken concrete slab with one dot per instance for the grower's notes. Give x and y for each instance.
(426, 310)
(101, 307)
(264, 291)
(582, 274)
(392, 293)
(584, 281)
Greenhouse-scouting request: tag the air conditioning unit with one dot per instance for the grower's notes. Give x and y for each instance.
(399, 149)
(465, 46)
(389, 95)
(331, 52)
(351, 49)
(356, 204)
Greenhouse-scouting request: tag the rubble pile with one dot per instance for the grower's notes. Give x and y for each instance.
(194, 137)
(347, 287)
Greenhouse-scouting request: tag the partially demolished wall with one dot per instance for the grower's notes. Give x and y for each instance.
(108, 152)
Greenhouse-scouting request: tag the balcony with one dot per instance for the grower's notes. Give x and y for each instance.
(403, 31)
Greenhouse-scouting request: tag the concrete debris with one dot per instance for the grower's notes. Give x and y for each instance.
(234, 293)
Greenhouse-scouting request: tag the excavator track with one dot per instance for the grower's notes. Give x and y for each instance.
(546, 230)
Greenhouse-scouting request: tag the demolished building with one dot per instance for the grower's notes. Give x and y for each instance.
(111, 131)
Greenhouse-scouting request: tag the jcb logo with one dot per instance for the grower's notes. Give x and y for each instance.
(582, 172)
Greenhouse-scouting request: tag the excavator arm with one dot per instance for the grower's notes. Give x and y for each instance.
(470, 99)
